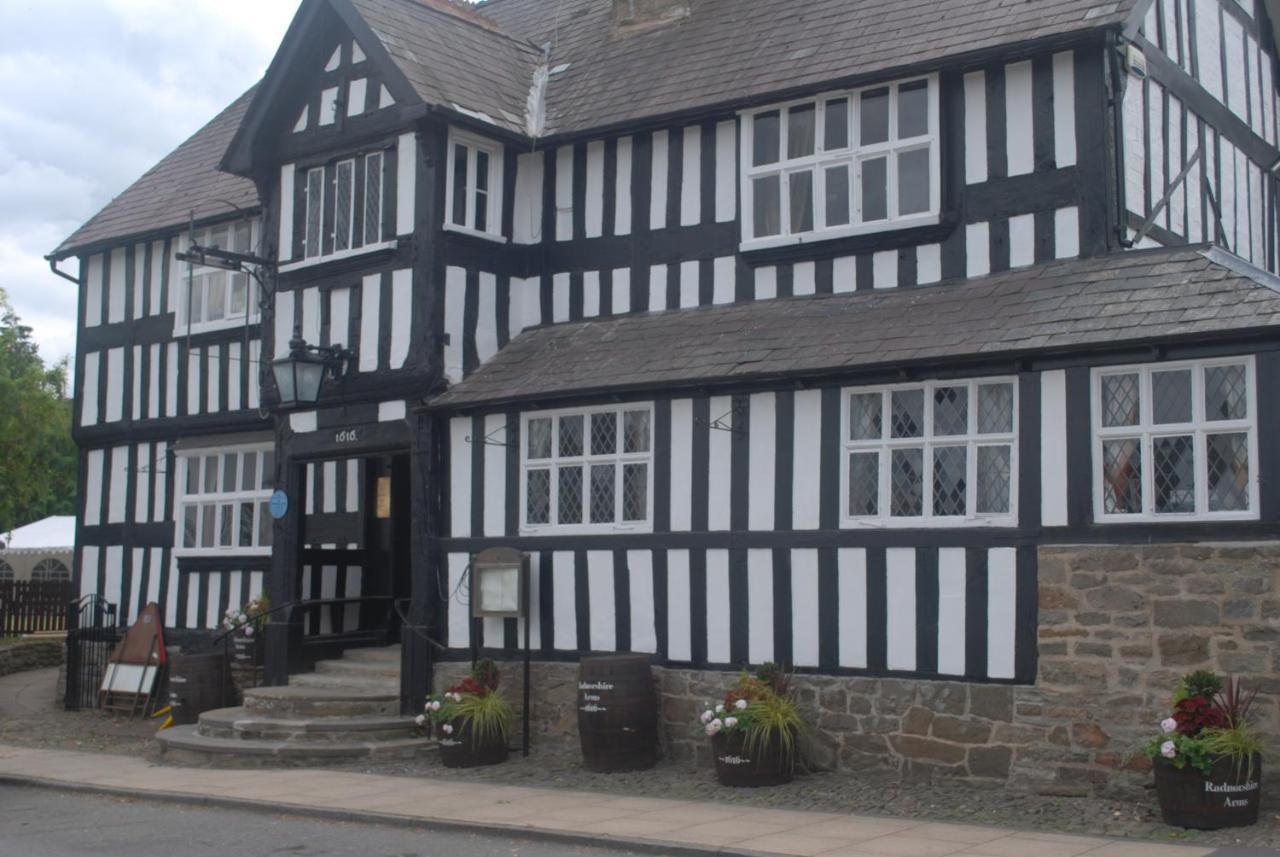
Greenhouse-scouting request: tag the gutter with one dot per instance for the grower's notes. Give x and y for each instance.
(53, 266)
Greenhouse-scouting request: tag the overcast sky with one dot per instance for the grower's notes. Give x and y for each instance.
(95, 92)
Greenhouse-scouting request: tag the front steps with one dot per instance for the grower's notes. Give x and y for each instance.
(347, 709)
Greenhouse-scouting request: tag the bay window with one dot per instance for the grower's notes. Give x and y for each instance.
(1175, 441)
(845, 163)
(942, 453)
(588, 470)
(222, 503)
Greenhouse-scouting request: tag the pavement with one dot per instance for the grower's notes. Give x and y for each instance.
(650, 825)
(40, 823)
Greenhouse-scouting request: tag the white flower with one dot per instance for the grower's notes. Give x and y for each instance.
(1169, 725)
(714, 726)
(248, 630)
(730, 722)
(421, 720)
(1168, 749)
(435, 705)
(447, 729)
(708, 716)
(242, 618)
(719, 708)
(741, 705)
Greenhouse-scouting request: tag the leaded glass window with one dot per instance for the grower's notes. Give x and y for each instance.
(1175, 441)
(589, 469)
(941, 452)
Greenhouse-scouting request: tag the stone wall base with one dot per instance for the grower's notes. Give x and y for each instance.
(31, 655)
(1118, 625)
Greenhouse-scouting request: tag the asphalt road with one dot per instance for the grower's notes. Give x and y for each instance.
(48, 823)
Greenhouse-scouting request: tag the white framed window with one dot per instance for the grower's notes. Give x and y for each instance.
(587, 470)
(211, 298)
(1175, 441)
(222, 503)
(944, 453)
(473, 201)
(342, 210)
(840, 164)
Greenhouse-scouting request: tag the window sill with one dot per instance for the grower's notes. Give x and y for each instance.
(475, 233)
(849, 241)
(366, 250)
(1002, 521)
(1177, 518)
(588, 530)
(229, 553)
(180, 330)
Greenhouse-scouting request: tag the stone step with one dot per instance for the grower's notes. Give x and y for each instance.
(384, 654)
(370, 684)
(301, 702)
(183, 745)
(360, 669)
(239, 724)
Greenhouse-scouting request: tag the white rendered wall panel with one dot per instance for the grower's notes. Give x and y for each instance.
(691, 178)
(594, 207)
(806, 461)
(1064, 109)
(900, 626)
(682, 428)
(804, 608)
(951, 610)
(88, 392)
(644, 633)
(658, 179)
(720, 460)
(851, 568)
(406, 182)
(726, 171)
(115, 385)
(622, 196)
(718, 606)
(1002, 586)
(679, 620)
(760, 605)
(975, 127)
(455, 288)
(564, 612)
(495, 477)
(564, 193)
(460, 477)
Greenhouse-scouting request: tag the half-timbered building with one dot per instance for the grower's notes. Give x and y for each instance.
(927, 348)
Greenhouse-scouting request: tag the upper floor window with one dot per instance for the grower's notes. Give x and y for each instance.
(943, 453)
(474, 194)
(344, 206)
(1175, 441)
(211, 298)
(842, 164)
(588, 470)
(223, 500)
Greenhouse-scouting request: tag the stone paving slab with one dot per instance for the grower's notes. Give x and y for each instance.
(659, 826)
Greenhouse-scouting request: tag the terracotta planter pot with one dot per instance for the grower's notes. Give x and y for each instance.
(1227, 797)
(459, 751)
(737, 768)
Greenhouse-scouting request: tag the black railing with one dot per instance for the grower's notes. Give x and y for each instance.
(93, 629)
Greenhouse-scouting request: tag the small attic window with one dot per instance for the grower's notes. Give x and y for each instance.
(335, 60)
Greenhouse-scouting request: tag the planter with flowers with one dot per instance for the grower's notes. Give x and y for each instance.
(245, 626)
(755, 730)
(472, 721)
(1208, 757)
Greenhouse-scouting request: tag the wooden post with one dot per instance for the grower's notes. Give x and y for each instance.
(417, 657)
(282, 585)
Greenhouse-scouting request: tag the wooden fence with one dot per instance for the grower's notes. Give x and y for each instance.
(30, 606)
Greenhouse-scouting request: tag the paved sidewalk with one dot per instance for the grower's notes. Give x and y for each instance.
(661, 826)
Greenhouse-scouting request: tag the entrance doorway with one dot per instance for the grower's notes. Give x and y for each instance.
(355, 557)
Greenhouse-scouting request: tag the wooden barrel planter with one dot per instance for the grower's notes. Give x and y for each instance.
(738, 768)
(1227, 797)
(198, 683)
(459, 751)
(617, 713)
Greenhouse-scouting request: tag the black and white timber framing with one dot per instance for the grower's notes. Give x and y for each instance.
(1049, 150)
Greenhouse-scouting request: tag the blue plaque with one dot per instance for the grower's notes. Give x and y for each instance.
(279, 504)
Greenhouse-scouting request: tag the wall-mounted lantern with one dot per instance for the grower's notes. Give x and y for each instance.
(300, 375)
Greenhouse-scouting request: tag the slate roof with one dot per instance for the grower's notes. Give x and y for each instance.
(736, 50)
(187, 178)
(1061, 306)
(453, 59)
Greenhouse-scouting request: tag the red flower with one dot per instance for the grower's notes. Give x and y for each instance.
(470, 687)
(1195, 714)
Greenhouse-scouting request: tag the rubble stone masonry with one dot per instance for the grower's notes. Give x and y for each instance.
(1118, 626)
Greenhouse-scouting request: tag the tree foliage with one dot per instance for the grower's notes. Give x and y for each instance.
(37, 454)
